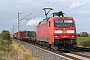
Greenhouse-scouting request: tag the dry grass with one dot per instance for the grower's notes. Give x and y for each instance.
(18, 52)
(85, 43)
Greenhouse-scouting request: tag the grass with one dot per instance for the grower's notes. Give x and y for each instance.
(81, 39)
(4, 48)
(0, 40)
(22, 52)
(15, 51)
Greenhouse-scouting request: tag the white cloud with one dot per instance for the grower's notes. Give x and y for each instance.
(33, 22)
(75, 4)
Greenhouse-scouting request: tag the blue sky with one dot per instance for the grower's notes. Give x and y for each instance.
(9, 13)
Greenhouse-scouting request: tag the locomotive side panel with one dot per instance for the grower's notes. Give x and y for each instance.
(51, 30)
(43, 32)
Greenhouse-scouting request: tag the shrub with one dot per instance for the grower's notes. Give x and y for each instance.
(5, 35)
(85, 43)
(89, 35)
(83, 34)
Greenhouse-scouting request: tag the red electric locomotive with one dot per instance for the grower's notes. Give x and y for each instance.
(57, 32)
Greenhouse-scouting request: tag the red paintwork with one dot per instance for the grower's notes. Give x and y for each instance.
(44, 31)
(21, 34)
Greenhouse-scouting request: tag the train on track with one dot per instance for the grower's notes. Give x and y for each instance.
(55, 32)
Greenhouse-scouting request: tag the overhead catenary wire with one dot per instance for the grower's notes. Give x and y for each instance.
(41, 9)
(78, 7)
(65, 12)
(48, 3)
(23, 19)
(34, 16)
(26, 16)
(54, 4)
(39, 12)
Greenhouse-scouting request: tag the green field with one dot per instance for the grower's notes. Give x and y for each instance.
(81, 39)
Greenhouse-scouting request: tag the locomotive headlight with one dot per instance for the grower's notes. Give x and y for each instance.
(58, 31)
(56, 36)
(72, 36)
(70, 31)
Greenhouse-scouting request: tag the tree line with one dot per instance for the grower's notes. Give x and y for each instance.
(6, 34)
(31, 33)
(83, 34)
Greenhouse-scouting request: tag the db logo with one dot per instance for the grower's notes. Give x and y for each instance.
(64, 31)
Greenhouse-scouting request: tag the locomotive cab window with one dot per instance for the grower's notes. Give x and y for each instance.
(68, 23)
(58, 23)
(63, 23)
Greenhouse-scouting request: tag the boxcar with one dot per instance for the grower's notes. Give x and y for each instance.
(21, 34)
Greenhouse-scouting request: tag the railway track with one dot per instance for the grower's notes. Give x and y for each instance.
(79, 56)
(72, 55)
(59, 53)
(69, 56)
(83, 49)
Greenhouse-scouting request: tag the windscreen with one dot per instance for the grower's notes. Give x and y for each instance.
(63, 23)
